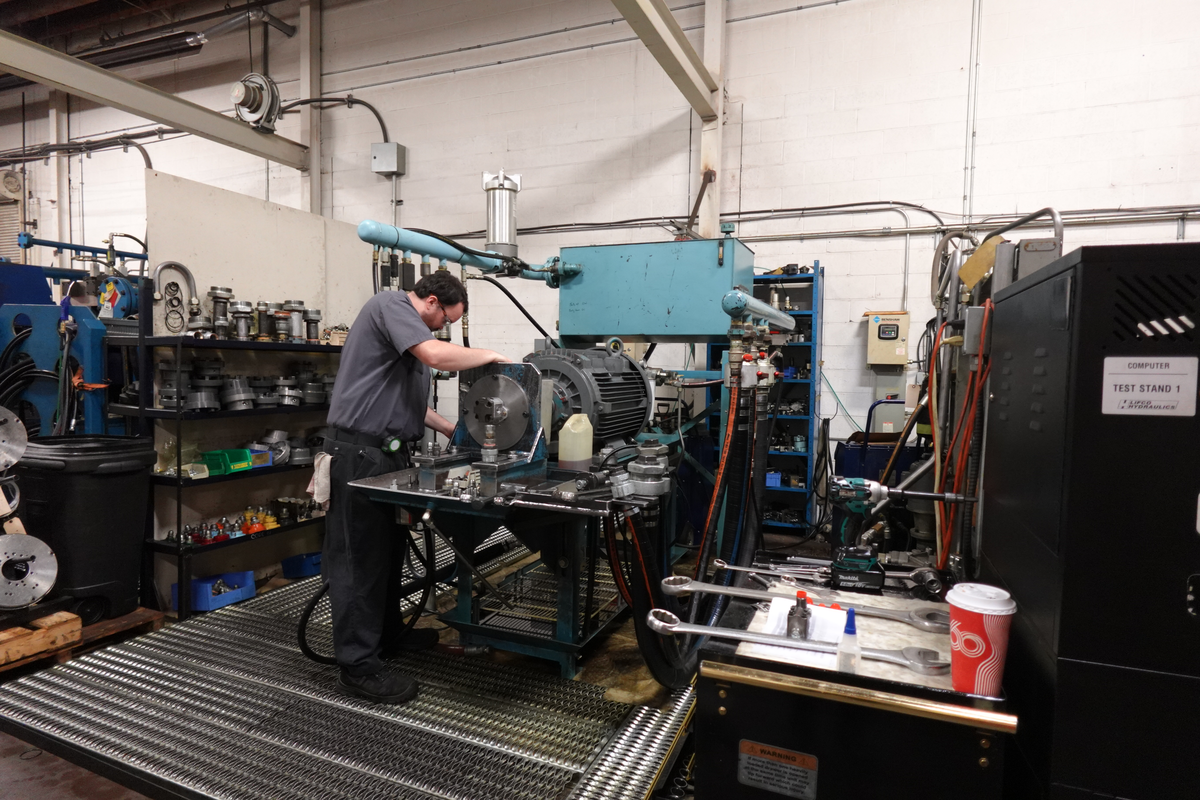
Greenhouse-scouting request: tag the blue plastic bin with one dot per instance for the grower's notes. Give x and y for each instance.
(202, 596)
(304, 565)
(774, 478)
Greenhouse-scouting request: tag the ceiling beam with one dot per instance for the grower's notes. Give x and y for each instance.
(58, 71)
(654, 24)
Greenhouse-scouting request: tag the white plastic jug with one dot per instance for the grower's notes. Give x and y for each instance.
(575, 443)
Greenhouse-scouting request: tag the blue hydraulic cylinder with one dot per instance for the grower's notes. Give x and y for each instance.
(738, 304)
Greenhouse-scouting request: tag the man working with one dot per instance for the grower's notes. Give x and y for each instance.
(380, 396)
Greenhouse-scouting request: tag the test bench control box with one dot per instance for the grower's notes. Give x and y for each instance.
(887, 338)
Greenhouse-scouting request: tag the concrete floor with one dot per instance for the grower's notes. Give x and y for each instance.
(27, 772)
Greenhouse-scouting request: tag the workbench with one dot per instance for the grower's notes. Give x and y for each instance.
(766, 729)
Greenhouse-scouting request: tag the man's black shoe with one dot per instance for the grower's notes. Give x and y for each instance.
(381, 687)
(414, 640)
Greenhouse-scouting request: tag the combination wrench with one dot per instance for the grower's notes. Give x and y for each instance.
(919, 659)
(921, 576)
(927, 619)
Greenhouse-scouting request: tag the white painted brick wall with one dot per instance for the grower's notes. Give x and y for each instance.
(1082, 104)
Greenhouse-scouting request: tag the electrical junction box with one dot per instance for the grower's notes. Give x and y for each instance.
(389, 159)
(887, 338)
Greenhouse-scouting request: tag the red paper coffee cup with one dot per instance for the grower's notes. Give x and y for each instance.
(980, 617)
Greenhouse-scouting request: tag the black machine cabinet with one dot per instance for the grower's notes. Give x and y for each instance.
(765, 730)
(1091, 519)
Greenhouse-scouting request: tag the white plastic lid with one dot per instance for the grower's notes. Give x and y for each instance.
(981, 598)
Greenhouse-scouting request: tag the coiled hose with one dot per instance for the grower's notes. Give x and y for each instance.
(425, 583)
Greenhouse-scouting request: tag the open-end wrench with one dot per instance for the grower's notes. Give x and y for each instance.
(918, 659)
(804, 573)
(929, 619)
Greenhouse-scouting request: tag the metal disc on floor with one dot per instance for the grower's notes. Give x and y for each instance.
(13, 438)
(28, 569)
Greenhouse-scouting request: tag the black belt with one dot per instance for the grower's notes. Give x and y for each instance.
(352, 437)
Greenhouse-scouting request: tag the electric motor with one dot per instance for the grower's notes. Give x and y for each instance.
(612, 389)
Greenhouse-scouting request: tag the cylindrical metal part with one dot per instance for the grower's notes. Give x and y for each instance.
(264, 320)
(501, 192)
(220, 297)
(282, 330)
(314, 393)
(296, 324)
(242, 313)
(312, 324)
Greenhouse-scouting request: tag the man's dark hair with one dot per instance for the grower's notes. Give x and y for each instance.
(448, 289)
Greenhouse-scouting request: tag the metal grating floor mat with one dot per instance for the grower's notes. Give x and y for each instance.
(225, 706)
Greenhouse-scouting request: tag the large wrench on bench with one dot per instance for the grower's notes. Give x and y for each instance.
(918, 659)
(927, 619)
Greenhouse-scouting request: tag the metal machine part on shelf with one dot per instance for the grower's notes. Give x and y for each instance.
(277, 442)
(614, 391)
(312, 325)
(202, 400)
(281, 330)
(295, 309)
(243, 314)
(313, 393)
(237, 395)
(262, 316)
(302, 456)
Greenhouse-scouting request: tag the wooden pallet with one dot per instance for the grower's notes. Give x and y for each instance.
(61, 636)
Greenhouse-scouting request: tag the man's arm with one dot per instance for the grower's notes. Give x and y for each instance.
(438, 423)
(452, 357)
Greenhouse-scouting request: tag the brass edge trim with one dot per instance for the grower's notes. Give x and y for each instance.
(868, 698)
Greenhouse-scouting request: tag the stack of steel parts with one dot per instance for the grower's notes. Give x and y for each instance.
(225, 706)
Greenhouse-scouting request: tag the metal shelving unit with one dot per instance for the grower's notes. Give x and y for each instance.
(805, 290)
(146, 415)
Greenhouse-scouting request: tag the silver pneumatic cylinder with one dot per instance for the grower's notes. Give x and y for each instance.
(501, 192)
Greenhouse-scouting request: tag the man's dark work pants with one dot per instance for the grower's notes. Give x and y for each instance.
(364, 551)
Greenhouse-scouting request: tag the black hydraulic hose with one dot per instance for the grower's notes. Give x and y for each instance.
(739, 457)
(966, 513)
(515, 302)
(670, 662)
(468, 250)
(425, 583)
(11, 347)
(348, 100)
(649, 352)
(752, 536)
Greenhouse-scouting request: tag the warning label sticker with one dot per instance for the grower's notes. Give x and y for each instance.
(1158, 386)
(784, 772)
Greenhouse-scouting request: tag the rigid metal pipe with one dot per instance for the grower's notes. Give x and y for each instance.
(912, 478)
(1055, 218)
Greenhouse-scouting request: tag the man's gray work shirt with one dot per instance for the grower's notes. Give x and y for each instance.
(382, 388)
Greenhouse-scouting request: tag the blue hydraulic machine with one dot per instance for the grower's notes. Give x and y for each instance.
(499, 468)
(63, 342)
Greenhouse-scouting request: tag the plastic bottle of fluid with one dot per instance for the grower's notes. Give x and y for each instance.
(575, 443)
(849, 651)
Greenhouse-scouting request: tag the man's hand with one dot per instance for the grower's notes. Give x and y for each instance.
(500, 358)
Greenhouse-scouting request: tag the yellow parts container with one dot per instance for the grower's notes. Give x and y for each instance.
(575, 443)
